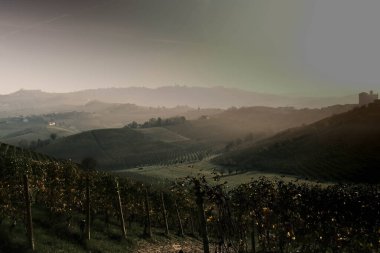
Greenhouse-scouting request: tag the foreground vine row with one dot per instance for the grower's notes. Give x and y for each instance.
(260, 216)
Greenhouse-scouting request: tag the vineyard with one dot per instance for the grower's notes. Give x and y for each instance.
(260, 216)
(341, 147)
(186, 157)
(127, 148)
(171, 157)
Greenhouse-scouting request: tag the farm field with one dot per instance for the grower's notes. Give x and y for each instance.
(165, 174)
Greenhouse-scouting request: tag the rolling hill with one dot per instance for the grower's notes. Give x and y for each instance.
(187, 141)
(23, 130)
(260, 122)
(123, 147)
(342, 147)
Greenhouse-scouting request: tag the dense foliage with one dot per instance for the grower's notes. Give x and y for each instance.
(271, 216)
(158, 122)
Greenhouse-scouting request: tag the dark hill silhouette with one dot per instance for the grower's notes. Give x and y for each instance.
(341, 147)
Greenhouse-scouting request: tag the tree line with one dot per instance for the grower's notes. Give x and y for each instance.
(158, 122)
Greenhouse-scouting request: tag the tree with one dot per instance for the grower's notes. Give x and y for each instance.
(53, 136)
(134, 124)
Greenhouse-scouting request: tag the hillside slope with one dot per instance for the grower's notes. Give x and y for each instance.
(259, 122)
(125, 147)
(122, 147)
(341, 147)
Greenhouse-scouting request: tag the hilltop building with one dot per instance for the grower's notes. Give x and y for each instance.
(367, 98)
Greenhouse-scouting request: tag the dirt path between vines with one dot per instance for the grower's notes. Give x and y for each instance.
(188, 245)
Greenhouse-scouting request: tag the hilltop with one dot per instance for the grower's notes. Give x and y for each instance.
(123, 147)
(342, 147)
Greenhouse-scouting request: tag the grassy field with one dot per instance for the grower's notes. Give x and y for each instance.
(33, 134)
(163, 175)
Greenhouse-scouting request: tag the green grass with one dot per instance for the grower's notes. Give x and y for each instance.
(164, 175)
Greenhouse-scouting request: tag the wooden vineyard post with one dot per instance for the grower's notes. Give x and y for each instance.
(28, 213)
(123, 230)
(164, 213)
(88, 164)
(88, 209)
(192, 224)
(202, 217)
(180, 227)
(148, 227)
(253, 239)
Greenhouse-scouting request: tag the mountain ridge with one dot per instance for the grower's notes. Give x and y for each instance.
(37, 101)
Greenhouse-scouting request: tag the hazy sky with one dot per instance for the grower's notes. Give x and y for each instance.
(304, 47)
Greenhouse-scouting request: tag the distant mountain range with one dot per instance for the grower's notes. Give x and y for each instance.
(27, 102)
(345, 146)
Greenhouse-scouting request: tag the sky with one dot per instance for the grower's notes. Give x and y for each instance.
(294, 47)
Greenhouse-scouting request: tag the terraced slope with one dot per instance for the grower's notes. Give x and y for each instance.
(123, 147)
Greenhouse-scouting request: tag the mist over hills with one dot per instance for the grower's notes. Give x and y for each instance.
(344, 146)
(94, 121)
(214, 97)
(126, 147)
(27, 102)
(23, 130)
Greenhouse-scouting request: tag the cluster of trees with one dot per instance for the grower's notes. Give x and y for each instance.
(33, 145)
(235, 143)
(158, 122)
